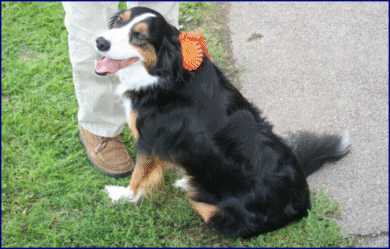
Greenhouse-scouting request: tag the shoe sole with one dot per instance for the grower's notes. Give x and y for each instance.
(97, 166)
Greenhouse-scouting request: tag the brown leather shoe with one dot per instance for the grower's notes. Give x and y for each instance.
(108, 155)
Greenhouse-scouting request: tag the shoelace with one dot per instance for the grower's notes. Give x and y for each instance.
(103, 143)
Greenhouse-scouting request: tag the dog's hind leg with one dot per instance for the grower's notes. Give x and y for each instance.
(206, 211)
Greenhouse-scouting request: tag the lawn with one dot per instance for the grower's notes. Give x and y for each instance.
(51, 195)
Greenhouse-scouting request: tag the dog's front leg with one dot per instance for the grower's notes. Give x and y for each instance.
(148, 175)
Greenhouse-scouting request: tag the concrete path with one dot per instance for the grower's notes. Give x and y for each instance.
(323, 66)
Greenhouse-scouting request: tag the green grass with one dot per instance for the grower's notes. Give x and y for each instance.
(51, 195)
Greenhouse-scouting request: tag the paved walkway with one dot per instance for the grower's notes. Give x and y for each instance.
(323, 66)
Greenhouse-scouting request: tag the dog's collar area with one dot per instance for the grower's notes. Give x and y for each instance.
(107, 66)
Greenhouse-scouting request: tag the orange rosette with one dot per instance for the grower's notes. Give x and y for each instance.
(192, 48)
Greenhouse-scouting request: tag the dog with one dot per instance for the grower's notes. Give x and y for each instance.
(240, 177)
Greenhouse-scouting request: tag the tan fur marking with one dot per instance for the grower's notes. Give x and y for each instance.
(143, 47)
(153, 181)
(206, 211)
(149, 54)
(126, 15)
(132, 123)
(141, 27)
(148, 175)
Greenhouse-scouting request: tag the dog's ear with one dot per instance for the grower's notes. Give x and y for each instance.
(114, 19)
(175, 31)
(169, 59)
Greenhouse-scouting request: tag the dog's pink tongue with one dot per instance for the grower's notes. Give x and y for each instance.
(107, 66)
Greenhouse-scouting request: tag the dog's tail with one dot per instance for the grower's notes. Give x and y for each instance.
(313, 150)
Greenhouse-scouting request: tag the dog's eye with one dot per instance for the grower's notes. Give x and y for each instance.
(139, 36)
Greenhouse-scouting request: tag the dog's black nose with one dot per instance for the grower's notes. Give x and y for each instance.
(102, 44)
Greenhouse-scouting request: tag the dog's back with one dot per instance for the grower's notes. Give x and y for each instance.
(256, 181)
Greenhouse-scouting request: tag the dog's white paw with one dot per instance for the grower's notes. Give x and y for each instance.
(182, 184)
(115, 193)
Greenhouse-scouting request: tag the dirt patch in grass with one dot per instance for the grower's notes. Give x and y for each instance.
(214, 23)
(223, 33)
(219, 20)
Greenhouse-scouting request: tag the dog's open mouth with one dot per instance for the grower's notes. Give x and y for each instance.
(108, 66)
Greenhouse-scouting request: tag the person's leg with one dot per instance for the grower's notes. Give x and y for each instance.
(100, 109)
(101, 113)
(170, 10)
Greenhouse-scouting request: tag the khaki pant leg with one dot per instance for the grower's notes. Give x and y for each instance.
(100, 109)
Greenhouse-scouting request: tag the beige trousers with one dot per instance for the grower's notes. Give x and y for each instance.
(100, 109)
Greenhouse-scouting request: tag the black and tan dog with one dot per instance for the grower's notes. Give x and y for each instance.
(241, 178)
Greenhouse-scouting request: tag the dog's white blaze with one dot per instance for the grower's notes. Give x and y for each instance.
(120, 48)
(115, 193)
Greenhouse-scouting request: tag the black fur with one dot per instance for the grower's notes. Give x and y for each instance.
(200, 121)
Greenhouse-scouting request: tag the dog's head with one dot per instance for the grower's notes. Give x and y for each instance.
(137, 37)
